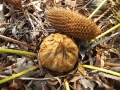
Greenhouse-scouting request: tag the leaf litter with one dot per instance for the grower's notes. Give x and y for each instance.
(23, 26)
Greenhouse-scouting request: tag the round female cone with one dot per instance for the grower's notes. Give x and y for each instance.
(58, 53)
(72, 23)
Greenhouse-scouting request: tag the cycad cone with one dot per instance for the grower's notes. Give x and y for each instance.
(58, 53)
(72, 23)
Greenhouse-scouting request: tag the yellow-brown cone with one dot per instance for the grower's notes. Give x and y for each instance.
(58, 53)
(72, 23)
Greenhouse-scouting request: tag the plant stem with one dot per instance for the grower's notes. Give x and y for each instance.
(66, 84)
(18, 74)
(112, 2)
(118, 1)
(102, 70)
(105, 33)
(29, 54)
(96, 10)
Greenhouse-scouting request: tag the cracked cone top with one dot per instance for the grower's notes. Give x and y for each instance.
(58, 53)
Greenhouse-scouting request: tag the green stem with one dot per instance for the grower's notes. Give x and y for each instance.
(30, 54)
(102, 70)
(96, 10)
(18, 74)
(118, 1)
(105, 33)
(66, 84)
(112, 2)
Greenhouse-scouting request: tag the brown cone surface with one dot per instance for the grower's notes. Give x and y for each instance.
(72, 23)
(58, 53)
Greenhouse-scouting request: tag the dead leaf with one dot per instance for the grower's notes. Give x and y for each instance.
(117, 69)
(78, 87)
(112, 50)
(4, 25)
(15, 85)
(81, 70)
(75, 78)
(52, 87)
(111, 88)
(68, 2)
(52, 81)
(16, 3)
(87, 83)
(39, 84)
(99, 61)
(73, 4)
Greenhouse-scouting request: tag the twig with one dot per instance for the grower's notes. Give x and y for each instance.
(111, 64)
(103, 14)
(16, 41)
(41, 79)
(114, 8)
(30, 19)
(40, 21)
(109, 76)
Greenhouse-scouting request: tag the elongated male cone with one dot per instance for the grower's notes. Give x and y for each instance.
(72, 23)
